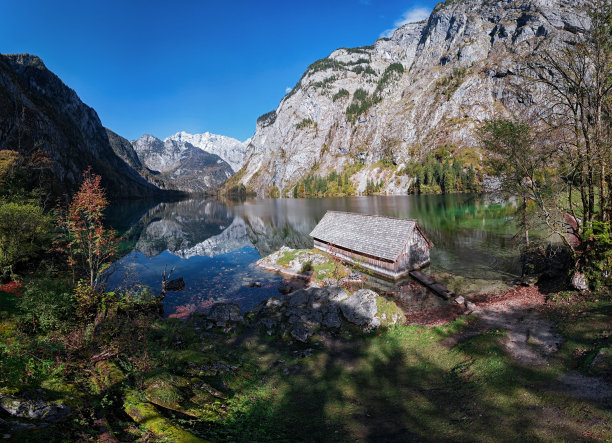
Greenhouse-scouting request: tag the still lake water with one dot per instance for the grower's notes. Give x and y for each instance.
(213, 244)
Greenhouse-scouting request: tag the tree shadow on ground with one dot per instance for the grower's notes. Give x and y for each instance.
(394, 386)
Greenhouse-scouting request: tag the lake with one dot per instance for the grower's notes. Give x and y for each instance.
(214, 244)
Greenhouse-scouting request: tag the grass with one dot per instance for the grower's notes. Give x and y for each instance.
(405, 382)
(401, 383)
(288, 256)
(329, 269)
(585, 324)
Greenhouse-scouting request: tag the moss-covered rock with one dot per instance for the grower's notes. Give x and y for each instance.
(388, 312)
(172, 392)
(147, 415)
(68, 393)
(107, 375)
(304, 263)
(602, 362)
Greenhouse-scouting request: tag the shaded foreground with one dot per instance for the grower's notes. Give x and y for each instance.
(461, 381)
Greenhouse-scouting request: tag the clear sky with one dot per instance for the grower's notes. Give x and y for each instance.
(159, 67)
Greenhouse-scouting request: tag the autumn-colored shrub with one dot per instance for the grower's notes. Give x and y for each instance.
(89, 245)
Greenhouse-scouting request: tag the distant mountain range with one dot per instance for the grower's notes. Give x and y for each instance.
(186, 167)
(229, 149)
(39, 112)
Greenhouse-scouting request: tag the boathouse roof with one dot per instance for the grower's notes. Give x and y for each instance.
(374, 235)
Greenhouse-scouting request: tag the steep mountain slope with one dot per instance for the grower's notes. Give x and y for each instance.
(38, 111)
(229, 149)
(181, 165)
(428, 86)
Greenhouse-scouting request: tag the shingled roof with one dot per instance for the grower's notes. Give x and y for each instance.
(374, 235)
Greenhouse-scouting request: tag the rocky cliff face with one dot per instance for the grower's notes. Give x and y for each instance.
(39, 112)
(181, 165)
(428, 86)
(229, 149)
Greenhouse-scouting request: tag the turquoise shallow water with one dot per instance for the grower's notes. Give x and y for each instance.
(213, 245)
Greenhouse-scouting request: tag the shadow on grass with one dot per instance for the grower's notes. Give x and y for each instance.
(385, 388)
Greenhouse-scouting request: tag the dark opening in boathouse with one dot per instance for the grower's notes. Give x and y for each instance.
(390, 247)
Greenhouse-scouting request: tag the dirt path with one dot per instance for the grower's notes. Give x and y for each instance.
(531, 340)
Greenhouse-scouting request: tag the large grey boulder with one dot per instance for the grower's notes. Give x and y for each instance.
(305, 312)
(35, 409)
(579, 281)
(360, 308)
(221, 314)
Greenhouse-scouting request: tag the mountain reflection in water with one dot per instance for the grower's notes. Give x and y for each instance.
(213, 245)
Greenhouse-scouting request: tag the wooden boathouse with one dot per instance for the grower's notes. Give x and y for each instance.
(389, 247)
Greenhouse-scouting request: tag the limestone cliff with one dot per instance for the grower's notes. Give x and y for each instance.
(429, 85)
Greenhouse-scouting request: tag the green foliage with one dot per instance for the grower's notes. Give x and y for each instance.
(324, 64)
(267, 119)
(514, 155)
(359, 49)
(274, 192)
(341, 94)
(437, 176)
(333, 184)
(598, 255)
(48, 304)
(360, 105)
(23, 231)
(393, 71)
(367, 70)
(236, 192)
(325, 83)
(306, 123)
(362, 101)
(373, 187)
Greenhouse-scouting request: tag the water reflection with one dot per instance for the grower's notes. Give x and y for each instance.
(214, 244)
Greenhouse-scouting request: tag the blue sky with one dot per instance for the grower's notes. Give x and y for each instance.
(160, 67)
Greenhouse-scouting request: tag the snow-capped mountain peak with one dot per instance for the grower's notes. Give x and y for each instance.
(229, 149)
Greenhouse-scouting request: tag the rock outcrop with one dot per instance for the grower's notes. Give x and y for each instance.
(372, 110)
